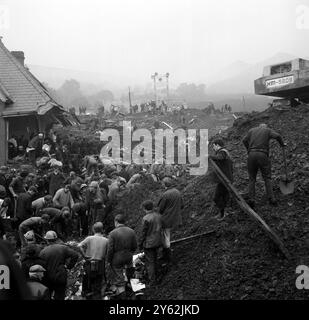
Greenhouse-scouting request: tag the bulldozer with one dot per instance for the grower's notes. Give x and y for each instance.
(288, 80)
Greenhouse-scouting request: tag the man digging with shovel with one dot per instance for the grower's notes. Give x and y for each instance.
(257, 145)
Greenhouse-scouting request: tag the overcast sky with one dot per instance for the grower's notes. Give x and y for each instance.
(134, 38)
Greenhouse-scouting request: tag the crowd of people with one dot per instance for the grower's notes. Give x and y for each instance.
(45, 211)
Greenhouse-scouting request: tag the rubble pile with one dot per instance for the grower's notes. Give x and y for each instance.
(239, 261)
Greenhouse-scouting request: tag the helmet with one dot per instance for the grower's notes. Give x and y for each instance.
(50, 235)
(29, 236)
(36, 268)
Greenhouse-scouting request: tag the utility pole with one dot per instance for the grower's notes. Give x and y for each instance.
(167, 87)
(130, 99)
(154, 78)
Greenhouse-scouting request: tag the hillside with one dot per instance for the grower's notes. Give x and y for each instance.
(239, 261)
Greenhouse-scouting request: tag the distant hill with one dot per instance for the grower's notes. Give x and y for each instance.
(228, 85)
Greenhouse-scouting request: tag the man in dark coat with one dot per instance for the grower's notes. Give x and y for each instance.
(122, 243)
(30, 257)
(24, 205)
(257, 145)
(224, 162)
(151, 239)
(37, 224)
(94, 203)
(170, 205)
(56, 256)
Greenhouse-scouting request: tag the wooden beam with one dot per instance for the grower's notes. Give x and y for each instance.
(193, 237)
(247, 209)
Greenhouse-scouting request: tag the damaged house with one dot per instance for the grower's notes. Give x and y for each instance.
(26, 106)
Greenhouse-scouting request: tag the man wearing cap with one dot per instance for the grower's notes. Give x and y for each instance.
(56, 256)
(63, 198)
(37, 289)
(24, 205)
(94, 250)
(37, 224)
(170, 205)
(41, 203)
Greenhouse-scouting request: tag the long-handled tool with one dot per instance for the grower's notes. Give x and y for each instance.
(286, 185)
(247, 209)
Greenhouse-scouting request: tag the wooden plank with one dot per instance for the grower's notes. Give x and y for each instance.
(247, 209)
(193, 237)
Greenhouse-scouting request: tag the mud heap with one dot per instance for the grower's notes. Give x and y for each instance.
(238, 261)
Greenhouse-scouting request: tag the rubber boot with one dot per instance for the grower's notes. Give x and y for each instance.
(270, 193)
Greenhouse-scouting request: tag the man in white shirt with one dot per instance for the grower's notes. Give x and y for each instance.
(94, 250)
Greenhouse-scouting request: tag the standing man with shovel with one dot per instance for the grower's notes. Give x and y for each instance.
(257, 145)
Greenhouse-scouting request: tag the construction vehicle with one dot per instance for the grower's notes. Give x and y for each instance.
(288, 81)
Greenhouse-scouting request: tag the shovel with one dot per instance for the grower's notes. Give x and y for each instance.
(286, 185)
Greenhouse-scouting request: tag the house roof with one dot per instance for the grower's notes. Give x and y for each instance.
(21, 91)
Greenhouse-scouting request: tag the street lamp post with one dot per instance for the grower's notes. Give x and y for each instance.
(167, 87)
(154, 78)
